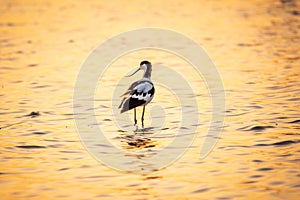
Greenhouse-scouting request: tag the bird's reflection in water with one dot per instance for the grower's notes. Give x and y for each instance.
(138, 140)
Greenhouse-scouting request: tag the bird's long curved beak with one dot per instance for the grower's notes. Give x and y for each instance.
(133, 73)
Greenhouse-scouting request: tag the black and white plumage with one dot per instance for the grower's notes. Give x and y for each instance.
(140, 93)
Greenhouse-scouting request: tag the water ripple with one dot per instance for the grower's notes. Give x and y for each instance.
(30, 146)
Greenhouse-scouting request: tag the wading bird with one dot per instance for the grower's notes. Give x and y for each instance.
(140, 93)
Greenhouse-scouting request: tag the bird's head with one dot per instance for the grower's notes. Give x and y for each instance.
(144, 65)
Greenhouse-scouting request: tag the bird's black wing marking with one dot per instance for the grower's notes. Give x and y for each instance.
(152, 91)
(138, 96)
(131, 103)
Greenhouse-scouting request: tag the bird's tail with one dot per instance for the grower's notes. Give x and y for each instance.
(121, 103)
(122, 106)
(123, 111)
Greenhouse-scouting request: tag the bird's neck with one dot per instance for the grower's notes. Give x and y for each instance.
(147, 73)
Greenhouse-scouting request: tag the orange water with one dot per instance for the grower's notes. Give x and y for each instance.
(255, 46)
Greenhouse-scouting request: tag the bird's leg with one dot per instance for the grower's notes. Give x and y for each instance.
(143, 117)
(135, 121)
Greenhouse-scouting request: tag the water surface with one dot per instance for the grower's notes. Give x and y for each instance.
(255, 46)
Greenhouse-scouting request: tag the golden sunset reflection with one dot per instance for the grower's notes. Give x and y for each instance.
(255, 47)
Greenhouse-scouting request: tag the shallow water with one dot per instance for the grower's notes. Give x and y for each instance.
(255, 46)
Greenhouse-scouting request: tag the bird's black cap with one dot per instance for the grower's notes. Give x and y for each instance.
(145, 62)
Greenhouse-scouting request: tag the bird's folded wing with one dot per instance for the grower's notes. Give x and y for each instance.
(139, 95)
